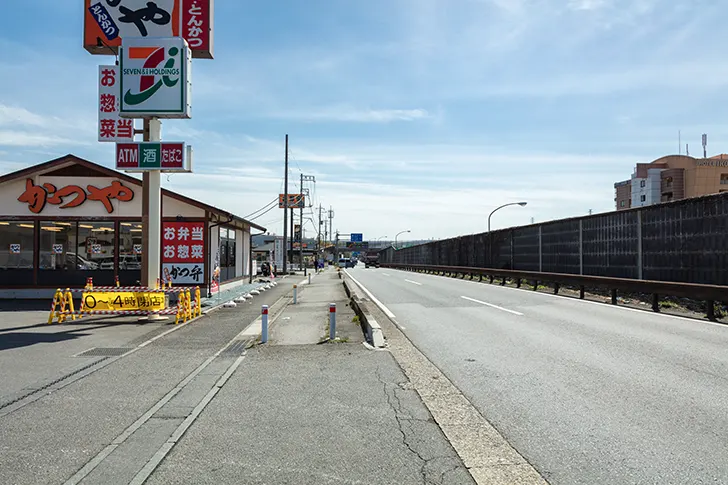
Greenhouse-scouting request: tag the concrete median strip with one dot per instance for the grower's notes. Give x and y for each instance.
(372, 329)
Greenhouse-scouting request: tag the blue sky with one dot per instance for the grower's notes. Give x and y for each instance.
(411, 114)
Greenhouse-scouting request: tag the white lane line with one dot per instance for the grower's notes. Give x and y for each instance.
(414, 282)
(588, 302)
(492, 306)
(386, 274)
(374, 298)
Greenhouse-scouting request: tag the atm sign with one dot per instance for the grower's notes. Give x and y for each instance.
(162, 156)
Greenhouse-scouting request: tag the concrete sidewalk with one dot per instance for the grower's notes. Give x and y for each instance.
(299, 412)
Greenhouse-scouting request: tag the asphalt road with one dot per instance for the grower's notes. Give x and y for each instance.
(586, 392)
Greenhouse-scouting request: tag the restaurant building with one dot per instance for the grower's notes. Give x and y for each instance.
(67, 219)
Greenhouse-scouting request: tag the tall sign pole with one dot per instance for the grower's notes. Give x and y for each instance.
(150, 81)
(285, 213)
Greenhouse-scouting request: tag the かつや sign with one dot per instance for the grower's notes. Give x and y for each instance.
(155, 78)
(107, 22)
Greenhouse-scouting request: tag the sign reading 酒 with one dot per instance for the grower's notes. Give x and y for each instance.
(107, 22)
(183, 252)
(140, 156)
(155, 78)
(112, 128)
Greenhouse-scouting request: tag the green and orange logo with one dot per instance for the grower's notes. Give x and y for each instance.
(151, 76)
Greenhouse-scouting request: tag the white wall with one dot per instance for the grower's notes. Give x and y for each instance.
(173, 208)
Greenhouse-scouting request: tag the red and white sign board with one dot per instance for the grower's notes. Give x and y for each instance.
(183, 252)
(162, 156)
(112, 128)
(107, 22)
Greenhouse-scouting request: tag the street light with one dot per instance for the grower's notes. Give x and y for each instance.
(490, 235)
(380, 238)
(395, 237)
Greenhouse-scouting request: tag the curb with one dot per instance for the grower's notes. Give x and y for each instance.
(370, 326)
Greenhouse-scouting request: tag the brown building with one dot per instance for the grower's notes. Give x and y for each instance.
(670, 178)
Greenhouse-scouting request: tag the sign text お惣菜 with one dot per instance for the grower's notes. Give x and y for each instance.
(183, 252)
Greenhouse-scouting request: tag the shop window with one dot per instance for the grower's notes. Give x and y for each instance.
(724, 179)
(58, 247)
(96, 245)
(130, 246)
(16, 245)
(227, 254)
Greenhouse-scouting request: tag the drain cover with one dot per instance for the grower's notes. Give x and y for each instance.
(236, 348)
(104, 352)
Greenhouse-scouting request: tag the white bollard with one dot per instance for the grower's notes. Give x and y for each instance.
(332, 321)
(264, 324)
(295, 294)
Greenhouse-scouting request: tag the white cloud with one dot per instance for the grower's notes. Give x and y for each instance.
(342, 113)
(13, 116)
(587, 4)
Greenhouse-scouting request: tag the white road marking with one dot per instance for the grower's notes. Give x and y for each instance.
(374, 298)
(590, 302)
(414, 282)
(386, 274)
(492, 306)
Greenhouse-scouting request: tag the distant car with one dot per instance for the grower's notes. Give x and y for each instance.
(129, 262)
(74, 260)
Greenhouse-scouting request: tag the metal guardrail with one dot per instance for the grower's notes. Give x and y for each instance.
(708, 293)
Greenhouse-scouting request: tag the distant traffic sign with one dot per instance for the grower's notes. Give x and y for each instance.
(358, 246)
(356, 237)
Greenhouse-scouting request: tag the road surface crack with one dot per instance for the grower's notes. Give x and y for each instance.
(395, 403)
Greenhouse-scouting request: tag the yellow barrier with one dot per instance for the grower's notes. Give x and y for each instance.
(124, 301)
(65, 302)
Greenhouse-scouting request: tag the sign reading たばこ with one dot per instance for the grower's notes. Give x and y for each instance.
(155, 78)
(165, 156)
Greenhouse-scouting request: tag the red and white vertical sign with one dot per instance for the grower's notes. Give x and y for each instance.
(183, 253)
(197, 26)
(111, 127)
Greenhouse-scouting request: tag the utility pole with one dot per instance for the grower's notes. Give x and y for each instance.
(293, 237)
(331, 226)
(320, 222)
(300, 231)
(285, 213)
(304, 178)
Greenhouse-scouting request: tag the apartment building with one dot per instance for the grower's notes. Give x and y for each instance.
(670, 178)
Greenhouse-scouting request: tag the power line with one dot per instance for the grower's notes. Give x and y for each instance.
(262, 208)
(274, 206)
